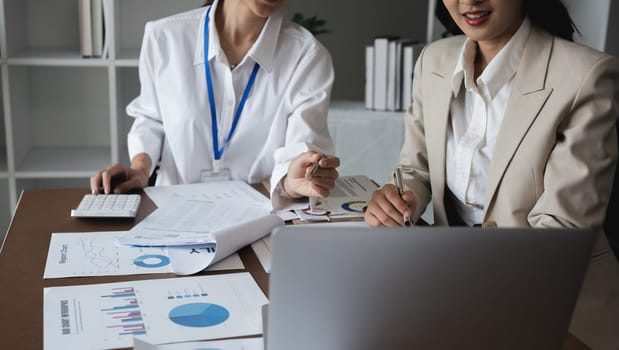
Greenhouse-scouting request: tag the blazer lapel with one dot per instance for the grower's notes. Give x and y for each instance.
(527, 99)
(437, 119)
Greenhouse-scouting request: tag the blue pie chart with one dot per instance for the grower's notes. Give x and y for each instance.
(199, 315)
(151, 260)
(354, 206)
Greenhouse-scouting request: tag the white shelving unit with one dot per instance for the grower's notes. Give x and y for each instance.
(367, 142)
(62, 116)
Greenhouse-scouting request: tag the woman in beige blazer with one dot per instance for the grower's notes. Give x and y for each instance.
(513, 125)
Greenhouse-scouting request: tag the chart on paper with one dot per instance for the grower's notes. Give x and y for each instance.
(97, 254)
(107, 316)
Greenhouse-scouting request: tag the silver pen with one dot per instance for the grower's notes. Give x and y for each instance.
(397, 176)
(316, 165)
(313, 201)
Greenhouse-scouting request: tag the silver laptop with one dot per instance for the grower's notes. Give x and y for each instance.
(342, 288)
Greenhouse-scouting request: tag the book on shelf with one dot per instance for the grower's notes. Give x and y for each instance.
(392, 75)
(92, 19)
(389, 66)
(85, 20)
(369, 77)
(97, 27)
(381, 70)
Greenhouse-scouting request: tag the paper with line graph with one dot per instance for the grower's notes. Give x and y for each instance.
(97, 254)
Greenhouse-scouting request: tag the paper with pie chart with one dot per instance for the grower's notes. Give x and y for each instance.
(108, 316)
(228, 344)
(98, 254)
(346, 200)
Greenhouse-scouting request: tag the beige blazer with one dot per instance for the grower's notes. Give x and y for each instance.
(554, 158)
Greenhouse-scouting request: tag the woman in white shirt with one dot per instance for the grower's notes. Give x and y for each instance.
(513, 125)
(256, 110)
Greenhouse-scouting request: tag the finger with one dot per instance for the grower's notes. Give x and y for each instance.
(397, 207)
(108, 174)
(126, 186)
(389, 215)
(322, 190)
(136, 180)
(324, 182)
(374, 214)
(313, 168)
(95, 183)
(391, 207)
(301, 164)
(106, 181)
(313, 157)
(329, 174)
(411, 203)
(370, 219)
(329, 162)
(381, 217)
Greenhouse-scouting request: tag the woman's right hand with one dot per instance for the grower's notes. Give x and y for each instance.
(118, 178)
(388, 208)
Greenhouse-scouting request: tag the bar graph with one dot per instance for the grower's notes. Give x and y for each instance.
(187, 293)
(121, 311)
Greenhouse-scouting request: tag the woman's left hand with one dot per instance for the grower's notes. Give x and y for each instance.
(301, 182)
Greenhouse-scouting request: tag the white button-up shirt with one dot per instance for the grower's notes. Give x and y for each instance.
(477, 111)
(284, 115)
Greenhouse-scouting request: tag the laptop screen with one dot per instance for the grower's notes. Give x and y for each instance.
(427, 288)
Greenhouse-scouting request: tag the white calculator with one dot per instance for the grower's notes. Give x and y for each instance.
(107, 205)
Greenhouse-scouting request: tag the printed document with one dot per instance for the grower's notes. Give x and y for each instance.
(346, 200)
(230, 344)
(226, 214)
(97, 254)
(108, 316)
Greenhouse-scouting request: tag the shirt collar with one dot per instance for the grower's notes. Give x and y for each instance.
(499, 71)
(263, 50)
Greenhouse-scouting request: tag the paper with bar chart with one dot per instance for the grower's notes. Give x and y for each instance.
(229, 344)
(97, 254)
(108, 316)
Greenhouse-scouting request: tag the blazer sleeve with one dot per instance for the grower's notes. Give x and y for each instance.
(414, 154)
(579, 172)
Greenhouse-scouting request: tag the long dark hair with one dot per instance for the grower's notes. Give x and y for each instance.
(208, 2)
(550, 15)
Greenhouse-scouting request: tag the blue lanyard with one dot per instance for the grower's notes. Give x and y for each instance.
(218, 151)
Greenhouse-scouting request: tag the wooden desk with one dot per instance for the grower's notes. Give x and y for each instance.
(23, 256)
(22, 260)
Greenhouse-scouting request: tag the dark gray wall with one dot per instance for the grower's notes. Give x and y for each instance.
(353, 24)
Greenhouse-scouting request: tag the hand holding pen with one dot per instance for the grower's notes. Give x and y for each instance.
(311, 174)
(397, 175)
(391, 205)
(314, 201)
